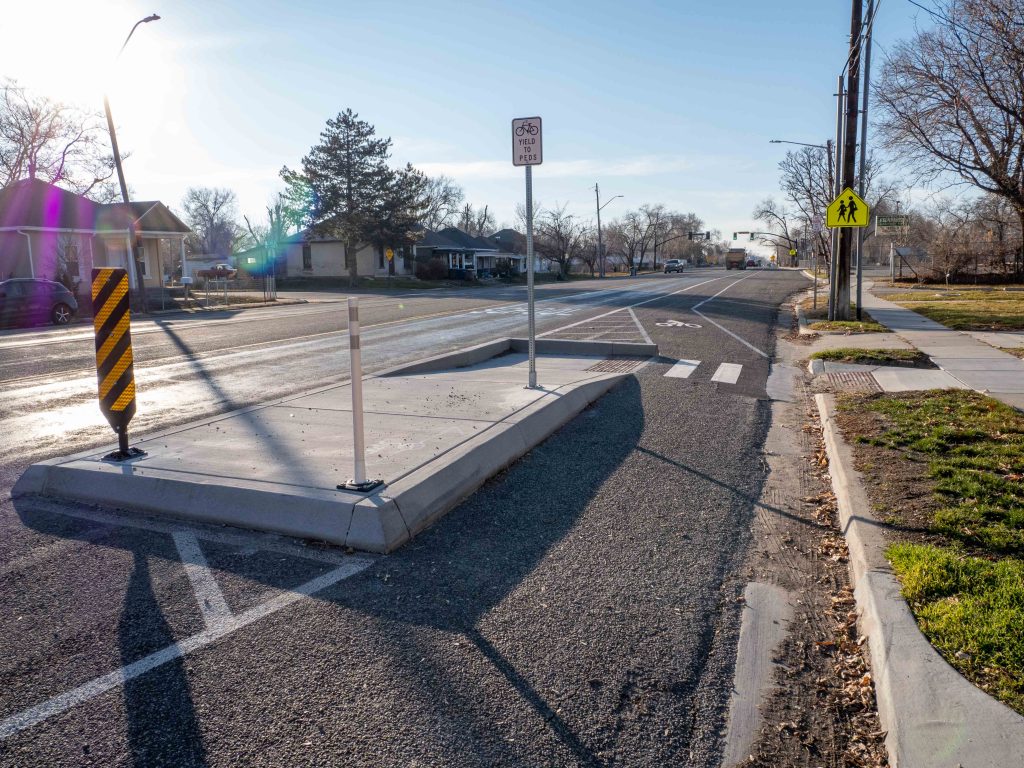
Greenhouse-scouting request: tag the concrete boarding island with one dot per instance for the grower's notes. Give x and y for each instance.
(435, 431)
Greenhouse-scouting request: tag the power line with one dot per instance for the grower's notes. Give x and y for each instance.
(959, 26)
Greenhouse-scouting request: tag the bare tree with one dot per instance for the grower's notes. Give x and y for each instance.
(271, 232)
(952, 98)
(588, 249)
(50, 141)
(559, 237)
(478, 222)
(442, 203)
(628, 237)
(210, 213)
(778, 220)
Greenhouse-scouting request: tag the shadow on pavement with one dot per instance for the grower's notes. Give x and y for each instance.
(161, 721)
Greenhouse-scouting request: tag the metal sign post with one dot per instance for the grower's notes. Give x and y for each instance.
(115, 372)
(527, 150)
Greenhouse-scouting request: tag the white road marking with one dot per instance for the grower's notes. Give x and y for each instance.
(265, 542)
(712, 298)
(211, 600)
(721, 327)
(728, 373)
(682, 369)
(643, 331)
(92, 689)
(623, 309)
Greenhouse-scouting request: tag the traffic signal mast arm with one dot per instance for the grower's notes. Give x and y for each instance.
(789, 240)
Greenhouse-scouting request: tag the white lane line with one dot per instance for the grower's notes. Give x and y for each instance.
(643, 331)
(721, 327)
(712, 298)
(623, 309)
(92, 689)
(682, 369)
(211, 600)
(728, 373)
(264, 542)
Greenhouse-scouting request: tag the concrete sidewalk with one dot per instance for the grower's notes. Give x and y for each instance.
(969, 361)
(434, 430)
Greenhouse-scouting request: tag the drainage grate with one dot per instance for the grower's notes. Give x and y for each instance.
(853, 381)
(615, 366)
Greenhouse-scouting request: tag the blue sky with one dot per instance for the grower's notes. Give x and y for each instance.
(670, 102)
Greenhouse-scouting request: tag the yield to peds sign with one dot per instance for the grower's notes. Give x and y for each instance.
(527, 147)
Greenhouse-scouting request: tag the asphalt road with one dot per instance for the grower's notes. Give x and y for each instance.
(580, 609)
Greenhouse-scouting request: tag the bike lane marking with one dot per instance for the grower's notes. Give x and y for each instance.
(728, 373)
(212, 604)
(65, 701)
(719, 326)
(630, 306)
(682, 369)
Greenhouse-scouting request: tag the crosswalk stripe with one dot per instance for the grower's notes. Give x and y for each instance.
(682, 369)
(727, 373)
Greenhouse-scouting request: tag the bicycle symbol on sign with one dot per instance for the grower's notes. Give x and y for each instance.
(525, 128)
(677, 324)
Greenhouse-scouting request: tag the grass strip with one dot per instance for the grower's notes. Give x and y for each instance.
(972, 610)
(964, 575)
(969, 311)
(874, 356)
(852, 326)
(817, 319)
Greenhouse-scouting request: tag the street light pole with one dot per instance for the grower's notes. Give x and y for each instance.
(140, 283)
(600, 244)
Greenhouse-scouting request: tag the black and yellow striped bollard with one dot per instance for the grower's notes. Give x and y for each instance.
(114, 362)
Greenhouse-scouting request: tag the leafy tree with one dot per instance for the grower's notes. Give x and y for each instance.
(341, 182)
(395, 217)
(50, 141)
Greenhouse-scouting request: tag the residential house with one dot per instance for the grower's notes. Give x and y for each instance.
(49, 232)
(469, 257)
(306, 254)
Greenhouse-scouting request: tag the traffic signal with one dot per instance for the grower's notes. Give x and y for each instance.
(689, 235)
(733, 235)
(707, 235)
(751, 235)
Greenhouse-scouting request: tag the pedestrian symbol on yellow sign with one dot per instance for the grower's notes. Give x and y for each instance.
(847, 210)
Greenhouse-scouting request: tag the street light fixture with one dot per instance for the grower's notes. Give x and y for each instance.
(140, 283)
(600, 244)
(827, 146)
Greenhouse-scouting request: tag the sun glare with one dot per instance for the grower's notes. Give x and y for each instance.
(68, 52)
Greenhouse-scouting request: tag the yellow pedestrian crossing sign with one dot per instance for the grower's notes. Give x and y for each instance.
(847, 210)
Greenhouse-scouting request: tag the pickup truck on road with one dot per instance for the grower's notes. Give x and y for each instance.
(217, 272)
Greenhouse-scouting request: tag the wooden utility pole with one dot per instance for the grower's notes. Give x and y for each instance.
(846, 234)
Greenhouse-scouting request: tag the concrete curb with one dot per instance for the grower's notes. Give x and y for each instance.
(934, 717)
(379, 522)
(481, 352)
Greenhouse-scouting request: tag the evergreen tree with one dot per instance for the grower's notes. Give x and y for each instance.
(342, 182)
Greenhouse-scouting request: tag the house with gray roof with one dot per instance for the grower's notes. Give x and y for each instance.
(49, 232)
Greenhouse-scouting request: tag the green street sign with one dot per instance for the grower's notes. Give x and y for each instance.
(892, 222)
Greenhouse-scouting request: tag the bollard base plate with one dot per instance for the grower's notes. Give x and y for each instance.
(131, 453)
(363, 487)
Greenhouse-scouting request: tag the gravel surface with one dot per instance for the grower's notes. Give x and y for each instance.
(579, 609)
